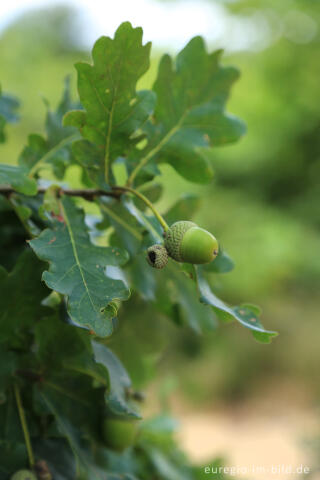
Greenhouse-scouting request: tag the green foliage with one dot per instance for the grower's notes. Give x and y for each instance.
(59, 382)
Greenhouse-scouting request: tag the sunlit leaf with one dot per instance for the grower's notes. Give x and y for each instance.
(114, 111)
(189, 117)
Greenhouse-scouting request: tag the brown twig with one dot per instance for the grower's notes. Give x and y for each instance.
(88, 194)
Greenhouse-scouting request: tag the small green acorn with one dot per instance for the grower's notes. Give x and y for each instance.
(23, 475)
(157, 256)
(186, 242)
(119, 434)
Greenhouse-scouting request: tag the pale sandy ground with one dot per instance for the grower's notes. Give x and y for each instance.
(266, 432)
(252, 443)
(261, 442)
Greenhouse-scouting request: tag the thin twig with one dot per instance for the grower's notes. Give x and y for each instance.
(88, 194)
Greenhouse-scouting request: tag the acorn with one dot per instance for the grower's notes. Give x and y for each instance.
(157, 256)
(23, 475)
(186, 242)
(119, 434)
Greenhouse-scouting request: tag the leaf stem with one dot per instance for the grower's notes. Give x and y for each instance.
(24, 425)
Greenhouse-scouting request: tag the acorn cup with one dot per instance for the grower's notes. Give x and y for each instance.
(186, 242)
(157, 256)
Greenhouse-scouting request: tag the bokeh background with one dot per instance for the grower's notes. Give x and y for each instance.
(251, 403)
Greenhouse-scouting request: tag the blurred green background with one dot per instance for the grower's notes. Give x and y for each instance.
(264, 204)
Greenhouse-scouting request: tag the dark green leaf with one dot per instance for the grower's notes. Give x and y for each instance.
(17, 178)
(70, 425)
(10, 425)
(58, 455)
(193, 313)
(77, 269)
(13, 235)
(18, 310)
(8, 364)
(63, 346)
(12, 457)
(120, 383)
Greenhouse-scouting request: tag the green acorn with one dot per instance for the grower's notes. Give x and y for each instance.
(186, 242)
(119, 434)
(23, 475)
(157, 256)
